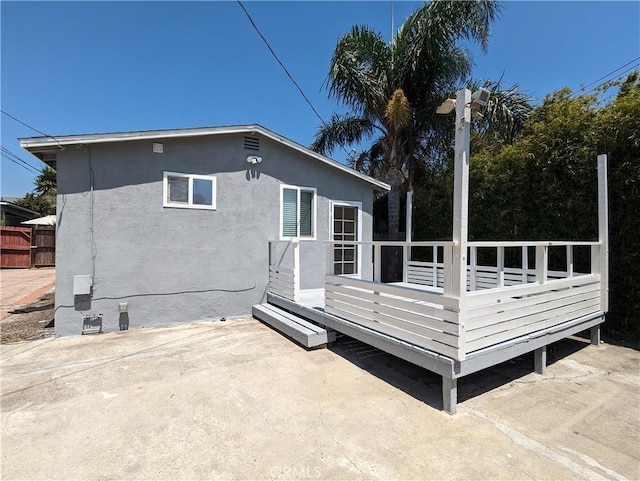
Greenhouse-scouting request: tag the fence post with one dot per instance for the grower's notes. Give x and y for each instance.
(570, 261)
(525, 264)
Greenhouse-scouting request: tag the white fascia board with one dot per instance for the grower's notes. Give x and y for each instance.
(36, 144)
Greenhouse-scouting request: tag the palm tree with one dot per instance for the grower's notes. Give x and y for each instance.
(46, 182)
(393, 89)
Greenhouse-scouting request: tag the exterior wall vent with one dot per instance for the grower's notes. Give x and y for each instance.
(251, 143)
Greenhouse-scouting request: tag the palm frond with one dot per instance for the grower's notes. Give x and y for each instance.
(360, 70)
(341, 130)
(506, 112)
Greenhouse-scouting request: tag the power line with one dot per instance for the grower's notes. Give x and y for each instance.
(17, 160)
(280, 62)
(17, 163)
(8, 153)
(621, 74)
(285, 68)
(26, 167)
(30, 127)
(608, 75)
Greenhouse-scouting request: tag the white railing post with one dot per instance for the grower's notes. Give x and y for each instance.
(296, 271)
(603, 231)
(377, 261)
(435, 267)
(329, 264)
(473, 268)
(500, 266)
(570, 261)
(447, 273)
(525, 264)
(595, 260)
(406, 249)
(542, 264)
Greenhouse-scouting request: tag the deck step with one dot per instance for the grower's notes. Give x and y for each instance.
(298, 329)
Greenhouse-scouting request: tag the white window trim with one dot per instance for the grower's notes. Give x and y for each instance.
(314, 210)
(358, 205)
(190, 204)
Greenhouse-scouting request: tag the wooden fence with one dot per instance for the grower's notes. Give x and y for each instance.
(26, 247)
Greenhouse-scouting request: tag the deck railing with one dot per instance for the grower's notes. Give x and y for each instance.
(504, 303)
(499, 303)
(284, 269)
(409, 313)
(429, 308)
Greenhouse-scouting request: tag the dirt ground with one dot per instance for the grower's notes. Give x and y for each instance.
(34, 321)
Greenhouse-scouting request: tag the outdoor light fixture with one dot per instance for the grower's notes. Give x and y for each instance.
(479, 99)
(446, 107)
(254, 159)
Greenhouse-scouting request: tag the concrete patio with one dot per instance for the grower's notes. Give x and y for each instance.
(19, 287)
(236, 400)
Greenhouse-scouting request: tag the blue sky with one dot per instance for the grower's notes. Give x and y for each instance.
(84, 67)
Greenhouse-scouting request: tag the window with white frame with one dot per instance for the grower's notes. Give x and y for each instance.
(297, 212)
(191, 191)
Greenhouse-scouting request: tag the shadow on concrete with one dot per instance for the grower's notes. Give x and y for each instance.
(426, 386)
(26, 310)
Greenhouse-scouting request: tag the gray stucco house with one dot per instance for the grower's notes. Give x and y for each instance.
(171, 226)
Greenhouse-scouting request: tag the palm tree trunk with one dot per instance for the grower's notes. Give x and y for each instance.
(394, 179)
(392, 255)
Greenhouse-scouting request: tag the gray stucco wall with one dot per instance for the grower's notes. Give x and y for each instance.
(154, 257)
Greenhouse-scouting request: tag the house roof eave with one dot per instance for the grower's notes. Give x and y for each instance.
(46, 148)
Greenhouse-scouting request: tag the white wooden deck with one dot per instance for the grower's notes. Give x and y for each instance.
(453, 313)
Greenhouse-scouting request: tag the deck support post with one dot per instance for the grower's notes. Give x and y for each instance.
(449, 394)
(595, 335)
(540, 360)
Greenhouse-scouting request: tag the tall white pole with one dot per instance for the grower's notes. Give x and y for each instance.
(461, 194)
(603, 230)
(457, 287)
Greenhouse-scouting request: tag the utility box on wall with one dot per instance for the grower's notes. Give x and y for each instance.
(81, 285)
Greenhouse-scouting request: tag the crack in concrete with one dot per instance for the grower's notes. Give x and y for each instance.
(333, 436)
(538, 448)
